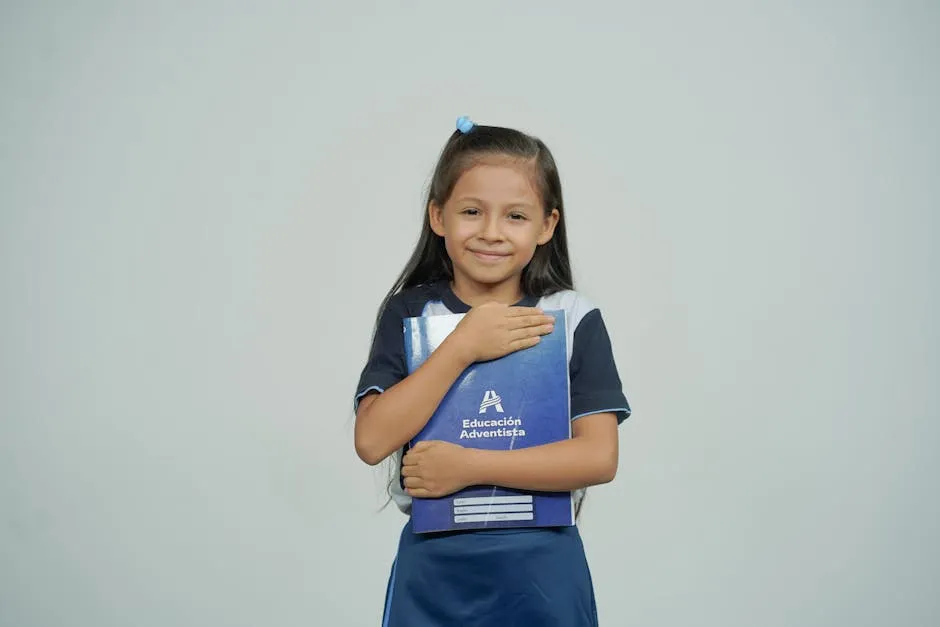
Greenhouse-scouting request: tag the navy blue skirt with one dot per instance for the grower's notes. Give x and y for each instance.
(491, 578)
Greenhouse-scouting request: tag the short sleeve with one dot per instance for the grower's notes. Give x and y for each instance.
(595, 383)
(386, 363)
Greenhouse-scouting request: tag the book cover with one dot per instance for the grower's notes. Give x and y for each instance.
(517, 401)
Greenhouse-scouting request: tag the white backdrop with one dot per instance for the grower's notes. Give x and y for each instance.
(203, 202)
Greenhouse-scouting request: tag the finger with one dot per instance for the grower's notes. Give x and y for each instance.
(420, 446)
(524, 311)
(527, 332)
(530, 319)
(409, 460)
(538, 329)
(524, 342)
(520, 322)
(413, 482)
(530, 322)
(418, 493)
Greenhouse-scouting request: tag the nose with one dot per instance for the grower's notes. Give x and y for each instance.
(491, 231)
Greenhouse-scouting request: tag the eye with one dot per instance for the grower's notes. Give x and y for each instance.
(518, 216)
(470, 211)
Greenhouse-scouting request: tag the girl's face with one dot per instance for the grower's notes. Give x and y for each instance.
(491, 225)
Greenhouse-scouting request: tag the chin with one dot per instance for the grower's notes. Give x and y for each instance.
(491, 277)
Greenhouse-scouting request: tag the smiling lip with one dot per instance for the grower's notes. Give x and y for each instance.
(485, 256)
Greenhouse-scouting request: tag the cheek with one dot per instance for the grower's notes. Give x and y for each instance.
(455, 237)
(527, 234)
(460, 230)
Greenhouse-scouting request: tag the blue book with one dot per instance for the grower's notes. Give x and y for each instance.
(517, 401)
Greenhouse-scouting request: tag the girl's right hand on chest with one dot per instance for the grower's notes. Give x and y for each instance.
(493, 330)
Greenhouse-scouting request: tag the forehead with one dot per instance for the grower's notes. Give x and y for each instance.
(498, 182)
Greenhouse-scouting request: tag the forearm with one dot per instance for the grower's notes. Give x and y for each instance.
(392, 418)
(560, 466)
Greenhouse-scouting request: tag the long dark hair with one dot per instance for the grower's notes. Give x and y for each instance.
(548, 272)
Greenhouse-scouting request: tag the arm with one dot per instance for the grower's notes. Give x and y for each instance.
(435, 468)
(589, 458)
(385, 422)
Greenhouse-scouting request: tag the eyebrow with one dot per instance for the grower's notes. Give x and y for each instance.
(513, 204)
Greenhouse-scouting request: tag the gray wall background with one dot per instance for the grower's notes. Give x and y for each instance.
(203, 202)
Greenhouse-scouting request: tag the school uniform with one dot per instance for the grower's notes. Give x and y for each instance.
(494, 577)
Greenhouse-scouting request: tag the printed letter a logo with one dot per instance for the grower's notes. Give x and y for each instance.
(490, 399)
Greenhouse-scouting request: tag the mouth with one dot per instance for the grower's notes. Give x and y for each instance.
(488, 256)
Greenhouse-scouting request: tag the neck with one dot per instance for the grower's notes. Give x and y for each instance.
(474, 293)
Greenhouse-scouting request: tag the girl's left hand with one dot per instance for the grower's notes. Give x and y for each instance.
(434, 468)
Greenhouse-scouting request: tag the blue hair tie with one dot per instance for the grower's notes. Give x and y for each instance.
(465, 124)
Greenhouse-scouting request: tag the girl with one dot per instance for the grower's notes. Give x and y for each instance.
(493, 246)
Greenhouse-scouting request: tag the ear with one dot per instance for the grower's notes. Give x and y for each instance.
(436, 218)
(548, 226)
